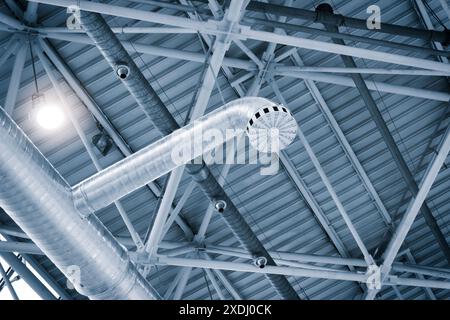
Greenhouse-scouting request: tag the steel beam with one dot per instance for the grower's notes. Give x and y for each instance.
(367, 257)
(428, 24)
(14, 82)
(187, 193)
(151, 245)
(299, 183)
(214, 28)
(421, 270)
(414, 208)
(13, 231)
(340, 136)
(174, 284)
(120, 30)
(389, 140)
(398, 293)
(20, 247)
(8, 231)
(209, 40)
(215, 284)
(349, 37)
(184, 278)
(446, 8)
(156, 51)
(407, 72)
(248, 267)
(14, 7)
(280, 70)
(46, 277)
(278, 260)
(226, 283)
(8, 283)
(418, 200)
(304, 261)
(30, 14)
(297, 272)
(10, 47)
(372, 85)
(428, 291)
(10, 235)
(11, 22)
(338, 20)
(343, 50)
(287, 258)
(27, 276)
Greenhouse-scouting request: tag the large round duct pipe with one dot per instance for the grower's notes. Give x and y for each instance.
(40, 201)
(257, 117)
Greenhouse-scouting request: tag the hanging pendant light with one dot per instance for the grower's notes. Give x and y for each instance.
(48, 116)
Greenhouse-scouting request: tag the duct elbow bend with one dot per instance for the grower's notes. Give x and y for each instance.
(269, 127)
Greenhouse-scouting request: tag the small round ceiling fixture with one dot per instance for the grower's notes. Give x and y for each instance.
(269, 123)
(48, 116)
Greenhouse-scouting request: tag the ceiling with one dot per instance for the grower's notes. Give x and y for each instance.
(276, 209)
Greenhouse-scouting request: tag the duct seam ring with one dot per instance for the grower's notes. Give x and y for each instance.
(111, 289)
(81, 203)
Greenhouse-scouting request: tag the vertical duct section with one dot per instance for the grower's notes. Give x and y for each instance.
(40, 201)
(125, 68)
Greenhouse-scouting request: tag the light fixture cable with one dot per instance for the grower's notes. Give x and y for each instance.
(34, 66)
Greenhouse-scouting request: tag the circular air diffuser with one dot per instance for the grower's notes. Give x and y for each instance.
(270, 125)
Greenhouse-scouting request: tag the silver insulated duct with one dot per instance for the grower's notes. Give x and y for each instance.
(126, 70)
(252, 115)
(40, 201)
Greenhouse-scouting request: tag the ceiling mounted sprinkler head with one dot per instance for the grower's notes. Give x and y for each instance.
(122, 71)
(220, 205)
(271, 129)
(260, 262)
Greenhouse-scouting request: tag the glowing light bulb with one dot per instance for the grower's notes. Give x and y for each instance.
(49, 117)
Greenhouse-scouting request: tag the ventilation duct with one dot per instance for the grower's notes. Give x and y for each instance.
(113, 51)
(250, 115)
(40, 201)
